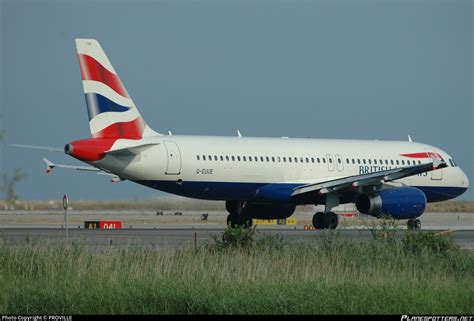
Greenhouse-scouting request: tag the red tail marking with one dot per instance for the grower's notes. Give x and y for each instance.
(131, 130)
(91, 69)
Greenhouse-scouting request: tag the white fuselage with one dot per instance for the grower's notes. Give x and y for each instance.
(230, 168)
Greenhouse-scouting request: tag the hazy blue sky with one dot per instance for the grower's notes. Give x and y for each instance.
(329, 69)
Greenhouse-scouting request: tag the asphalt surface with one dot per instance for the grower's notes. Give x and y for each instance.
(183, 237)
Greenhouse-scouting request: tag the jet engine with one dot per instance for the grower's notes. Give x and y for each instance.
(399, 203)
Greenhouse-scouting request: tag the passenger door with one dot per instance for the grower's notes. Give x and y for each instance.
(339, 163)
(330, 162)
(174, 159)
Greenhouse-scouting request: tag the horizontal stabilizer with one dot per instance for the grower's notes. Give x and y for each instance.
(46, 148)
(130, 150)
(50, 165)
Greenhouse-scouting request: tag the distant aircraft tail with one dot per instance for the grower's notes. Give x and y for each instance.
(112, 113)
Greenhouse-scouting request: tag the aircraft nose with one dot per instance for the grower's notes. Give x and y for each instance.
(464, 180)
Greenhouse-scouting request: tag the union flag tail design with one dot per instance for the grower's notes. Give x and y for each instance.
(112, 113)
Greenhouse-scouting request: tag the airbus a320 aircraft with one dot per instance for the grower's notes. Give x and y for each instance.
(256, 177)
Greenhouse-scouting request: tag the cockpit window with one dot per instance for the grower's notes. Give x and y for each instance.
(452, 163)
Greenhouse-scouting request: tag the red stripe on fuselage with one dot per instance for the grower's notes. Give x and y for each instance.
(130, 130)
(91, 69)
(422, 155)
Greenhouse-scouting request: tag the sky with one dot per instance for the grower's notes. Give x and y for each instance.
(323, 69)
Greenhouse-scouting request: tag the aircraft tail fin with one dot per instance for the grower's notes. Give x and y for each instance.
(112, 113)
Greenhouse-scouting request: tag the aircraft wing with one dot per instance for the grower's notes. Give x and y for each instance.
(370, 179)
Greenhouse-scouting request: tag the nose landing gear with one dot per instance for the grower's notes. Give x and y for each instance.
(414, 224)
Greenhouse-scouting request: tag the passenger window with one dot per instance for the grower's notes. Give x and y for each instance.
(370, 161)
(318, 160)
(203, 157)
(238, 158)
(403, 162)
(227, 158)
(381, 162)
(324, 160)
(250, 158)
(222, 158)
(279, 159)
(296, 159)
(233, 158)
(347, 161)
(261, 158)
(375, 162)
(273, 159)
(312, 160)
(353, 161)
(358, 161)
(386, 162)
(210, 157)
(197, 156)
(419, 162)
(391, 161)
(364, 161)
(256, 158)
(215, 157)
(339, 160)
(244, 158)
(268, 159)
(307, 160)
(289, 159)
(398, 163)
(284, 159)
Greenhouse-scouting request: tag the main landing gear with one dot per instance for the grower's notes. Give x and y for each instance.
(237, 215)
(325, 220)
(414, 224)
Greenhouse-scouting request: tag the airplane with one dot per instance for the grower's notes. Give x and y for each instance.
(262, 178)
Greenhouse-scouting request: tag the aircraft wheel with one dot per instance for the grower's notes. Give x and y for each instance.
(414, 224)
(235, 221)
(232, 220)
(417, 224)
(318, 220)
(331, 220)
(247, 222)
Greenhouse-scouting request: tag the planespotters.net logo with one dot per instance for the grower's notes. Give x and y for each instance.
(437, 318)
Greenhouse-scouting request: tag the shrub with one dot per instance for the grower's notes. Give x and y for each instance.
(418, 242)
(235, 237)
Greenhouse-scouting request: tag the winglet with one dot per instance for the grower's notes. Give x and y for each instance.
(239, 134)
(49, 165)
(409, 139)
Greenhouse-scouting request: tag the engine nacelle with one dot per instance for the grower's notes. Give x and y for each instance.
(263, 210)
(399, 203)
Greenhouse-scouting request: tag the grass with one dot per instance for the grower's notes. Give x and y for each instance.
(268, 275)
